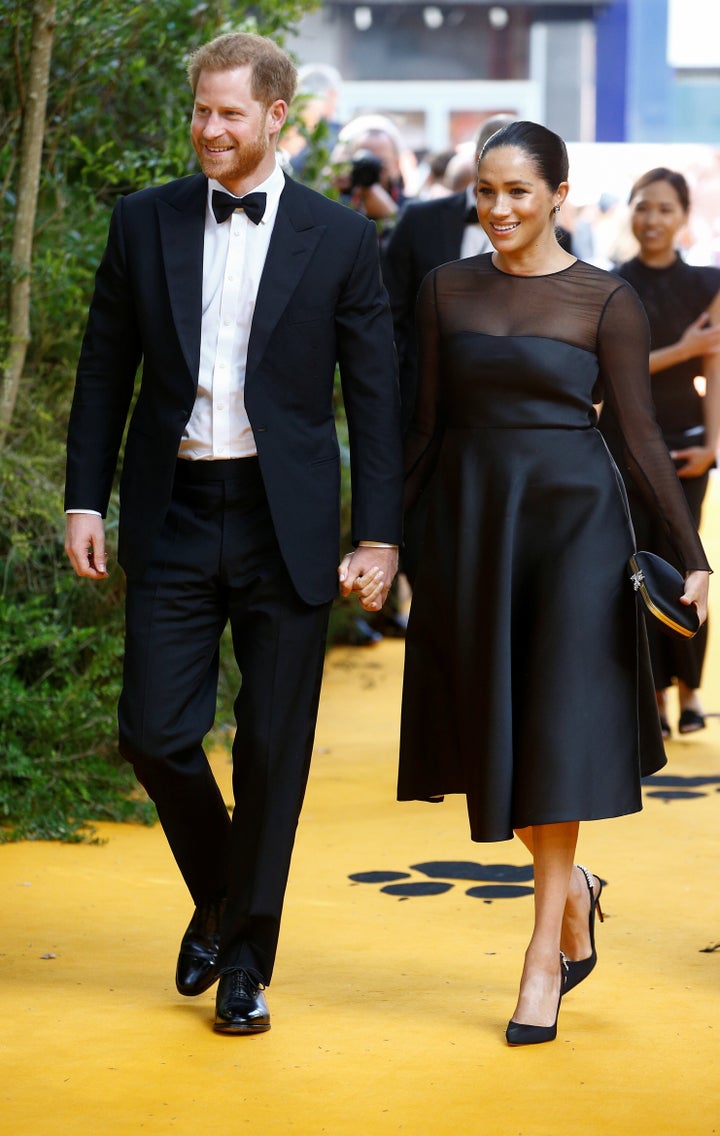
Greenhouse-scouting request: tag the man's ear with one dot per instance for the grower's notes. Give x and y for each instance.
(277, 114)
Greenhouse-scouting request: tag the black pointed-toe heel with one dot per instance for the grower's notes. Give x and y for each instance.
(519, 1034)
(577, 971)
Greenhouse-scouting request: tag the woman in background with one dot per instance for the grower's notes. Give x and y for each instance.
(682, 303)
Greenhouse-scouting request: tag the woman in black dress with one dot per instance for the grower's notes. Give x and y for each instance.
(524, 627)
(682, 303)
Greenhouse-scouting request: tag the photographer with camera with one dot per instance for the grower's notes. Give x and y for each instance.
(367, 159)
(371, 182)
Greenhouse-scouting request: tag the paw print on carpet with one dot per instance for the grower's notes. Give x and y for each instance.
(498, 881)
(678, 788)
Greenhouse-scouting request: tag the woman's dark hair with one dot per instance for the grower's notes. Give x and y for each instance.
(546, 150)
(672, 177)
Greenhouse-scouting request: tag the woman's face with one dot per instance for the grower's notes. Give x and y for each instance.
(515, 205)
(657, 216)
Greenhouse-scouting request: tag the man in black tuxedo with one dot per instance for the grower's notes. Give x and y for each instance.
(238, 304)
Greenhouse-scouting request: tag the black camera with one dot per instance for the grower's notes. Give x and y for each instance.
(365, 170)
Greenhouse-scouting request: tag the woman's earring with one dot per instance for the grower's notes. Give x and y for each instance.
(556, 208)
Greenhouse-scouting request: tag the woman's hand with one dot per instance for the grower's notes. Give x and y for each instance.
(696, 592)
(700, 338)
(696, 460)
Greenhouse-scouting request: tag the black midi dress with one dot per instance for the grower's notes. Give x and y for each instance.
(527, 682)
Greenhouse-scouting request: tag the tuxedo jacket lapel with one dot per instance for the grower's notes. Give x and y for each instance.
(453, 224)
(294, 239)
(182, 226)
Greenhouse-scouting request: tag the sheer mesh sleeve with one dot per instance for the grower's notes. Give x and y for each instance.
(425, 431)
(623, 350)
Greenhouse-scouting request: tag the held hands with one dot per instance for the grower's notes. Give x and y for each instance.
(369, 572)
(696, 592)
(85, 545)
(696, 460)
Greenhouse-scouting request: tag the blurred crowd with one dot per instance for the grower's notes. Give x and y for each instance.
(371, 167)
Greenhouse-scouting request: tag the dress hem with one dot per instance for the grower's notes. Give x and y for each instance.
(493, 839)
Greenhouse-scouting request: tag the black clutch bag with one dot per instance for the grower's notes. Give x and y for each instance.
(659, 586)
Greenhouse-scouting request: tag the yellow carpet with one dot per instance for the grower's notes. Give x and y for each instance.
(388, 1006)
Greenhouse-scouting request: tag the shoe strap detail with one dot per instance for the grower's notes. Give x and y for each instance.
(594, 899)
(588, 878)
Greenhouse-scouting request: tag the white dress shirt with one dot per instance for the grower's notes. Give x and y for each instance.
(475, 240)
(234, 255)
(233, 260)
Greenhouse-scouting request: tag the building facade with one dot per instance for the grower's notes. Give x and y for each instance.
(610, 71)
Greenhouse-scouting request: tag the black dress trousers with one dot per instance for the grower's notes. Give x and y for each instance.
(216, 560)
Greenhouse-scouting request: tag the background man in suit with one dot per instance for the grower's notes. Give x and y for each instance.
(238, 305)
(430, 233)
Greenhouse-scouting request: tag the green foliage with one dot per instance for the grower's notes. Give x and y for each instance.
(60, 648)
(118, 116)
(57, 682)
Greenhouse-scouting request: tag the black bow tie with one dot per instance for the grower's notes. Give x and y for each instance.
(471, 217)
(223, 204)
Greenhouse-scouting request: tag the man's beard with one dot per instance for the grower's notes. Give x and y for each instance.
(236, 164)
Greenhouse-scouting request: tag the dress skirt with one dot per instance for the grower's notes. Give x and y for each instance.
(527, 681)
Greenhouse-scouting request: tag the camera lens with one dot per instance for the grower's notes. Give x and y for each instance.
(365, 170)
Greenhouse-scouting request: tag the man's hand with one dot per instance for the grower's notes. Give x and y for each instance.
(85, 545)
(369, 572)
(376, 202)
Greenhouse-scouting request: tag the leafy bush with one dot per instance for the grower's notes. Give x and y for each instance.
(60, 665)
(57, 684)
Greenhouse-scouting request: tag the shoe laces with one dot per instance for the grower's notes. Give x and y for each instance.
(243, 985)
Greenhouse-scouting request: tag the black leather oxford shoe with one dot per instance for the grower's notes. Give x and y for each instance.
(240, 1005)
(197, 961)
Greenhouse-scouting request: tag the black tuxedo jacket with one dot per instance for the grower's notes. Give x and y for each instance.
(320, 302)
(428, 233)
